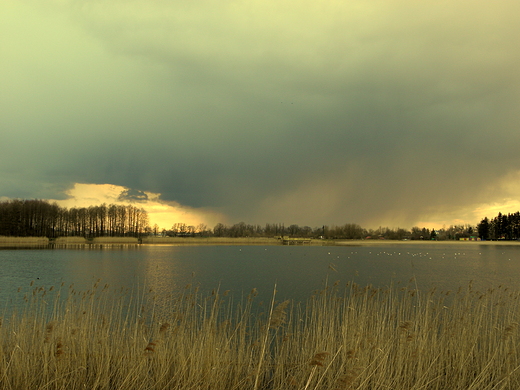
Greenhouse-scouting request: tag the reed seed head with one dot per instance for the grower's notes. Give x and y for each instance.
(347, 380)
(351, 353)
(279, 315)
(510, 330)
(164, 327)
(319, 359)
(59, 349)
(151, 346)
(48, 331)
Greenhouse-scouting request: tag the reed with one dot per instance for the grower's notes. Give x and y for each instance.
(70, 240)
(115, 240)
(343, 337)
(23, 241)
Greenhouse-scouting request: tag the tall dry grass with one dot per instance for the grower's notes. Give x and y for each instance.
(70, 240)
(349, 337)
(115, 240)
(23, 241)
(211, 240)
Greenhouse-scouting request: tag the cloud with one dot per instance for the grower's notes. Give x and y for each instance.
(163, 213)
(312, 113)
(130, 195)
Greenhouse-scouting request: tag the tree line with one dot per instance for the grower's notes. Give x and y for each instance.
(346, 231)
(501, 227)
(24, 218)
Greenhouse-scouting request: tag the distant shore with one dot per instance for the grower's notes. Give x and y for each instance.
(115, 241)
(420, 242)
(80, 241)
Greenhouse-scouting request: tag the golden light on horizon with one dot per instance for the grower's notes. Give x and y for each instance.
(162, 213)
(166, 213)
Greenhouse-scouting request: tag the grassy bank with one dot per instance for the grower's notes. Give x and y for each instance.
(75, 241)
(64, 241)
(23, 241)
(349, 338)
(211, 240)
(419, 242)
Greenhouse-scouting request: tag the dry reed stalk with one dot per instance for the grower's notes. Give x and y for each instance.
(278, 315)
(468, 340)
(264, 342)
(318, 360)
(14, 241)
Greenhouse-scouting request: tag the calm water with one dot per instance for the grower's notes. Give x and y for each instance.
(297, 271)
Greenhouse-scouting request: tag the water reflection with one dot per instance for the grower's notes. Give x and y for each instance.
(296, 271)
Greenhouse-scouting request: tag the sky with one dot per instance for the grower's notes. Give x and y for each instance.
(382, 113)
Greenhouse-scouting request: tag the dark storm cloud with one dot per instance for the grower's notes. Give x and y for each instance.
(381, 113)
(132, 196)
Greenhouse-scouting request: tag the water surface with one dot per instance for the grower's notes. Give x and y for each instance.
(296, 271)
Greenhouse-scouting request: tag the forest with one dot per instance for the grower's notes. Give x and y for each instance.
(25, 218)
(39, 218)
(501, 227)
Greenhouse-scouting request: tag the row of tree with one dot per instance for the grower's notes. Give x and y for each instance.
(347, 231)
(24, 218)
(502, 227)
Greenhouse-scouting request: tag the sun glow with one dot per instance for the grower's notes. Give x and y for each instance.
(167, 213)
(160, 212)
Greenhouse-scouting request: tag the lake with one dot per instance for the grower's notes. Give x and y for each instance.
(296, 271)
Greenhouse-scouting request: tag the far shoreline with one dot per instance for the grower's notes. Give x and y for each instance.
(421, 242)
(17, 242)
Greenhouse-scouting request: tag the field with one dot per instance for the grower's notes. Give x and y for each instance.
(343, 337)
